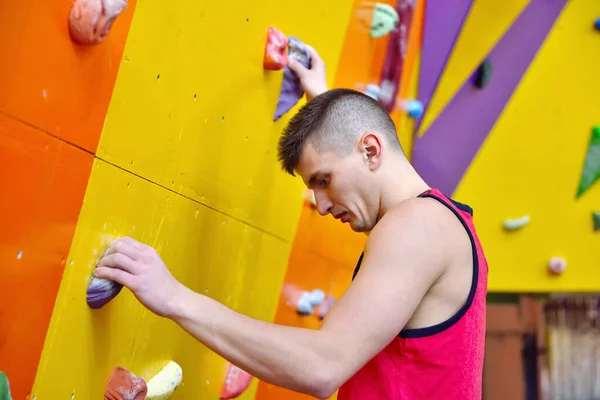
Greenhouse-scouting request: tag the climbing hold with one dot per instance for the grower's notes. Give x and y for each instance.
(414, 108)
(597, 24)
(4, 387)
(373, 91)
(304, 305)
(512, 224)
(385, 18)
(236, 382)
(483, 74)
(316, 297)
(163, 384)
(100, 291)
(124, 385)
(309, 196)
(90, 21)
(291, 89)
(557, 265)
(591, 168)
(326, 306)
(276, 56)
(596, 219)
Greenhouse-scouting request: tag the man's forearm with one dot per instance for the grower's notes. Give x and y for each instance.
(299, 359)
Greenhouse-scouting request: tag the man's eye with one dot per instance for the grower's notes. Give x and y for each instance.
(324, 181)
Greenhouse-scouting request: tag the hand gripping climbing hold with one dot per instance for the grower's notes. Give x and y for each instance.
(165, 382)
(236, 382)
(291, 88)
(90, 21)
(276, 56)
(124, 385)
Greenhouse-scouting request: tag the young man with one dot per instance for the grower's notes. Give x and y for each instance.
(412, 323)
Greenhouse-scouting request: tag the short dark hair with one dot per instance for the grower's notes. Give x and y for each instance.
(332, 121)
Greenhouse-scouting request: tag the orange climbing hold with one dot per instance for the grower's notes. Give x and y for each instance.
(276, 56)
(123, 385)
(90, 20)
(236, 382)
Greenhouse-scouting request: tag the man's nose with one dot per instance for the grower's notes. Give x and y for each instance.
(323, 203)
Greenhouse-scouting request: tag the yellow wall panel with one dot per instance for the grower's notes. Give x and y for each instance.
(192, 108)
(485, 25)
(232, 262)
(532, 164)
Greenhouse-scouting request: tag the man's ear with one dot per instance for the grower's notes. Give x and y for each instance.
(370, 146)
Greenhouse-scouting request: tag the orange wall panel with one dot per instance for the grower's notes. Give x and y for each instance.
(49, 81)
(42, 188)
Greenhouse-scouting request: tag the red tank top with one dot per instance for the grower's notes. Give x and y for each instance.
(444, 361)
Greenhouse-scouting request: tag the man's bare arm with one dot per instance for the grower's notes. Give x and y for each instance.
(399, 267)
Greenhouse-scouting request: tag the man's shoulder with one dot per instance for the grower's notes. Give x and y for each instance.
(414, 215)
(416, 230)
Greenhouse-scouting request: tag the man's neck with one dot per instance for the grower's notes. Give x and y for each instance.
(400, 182)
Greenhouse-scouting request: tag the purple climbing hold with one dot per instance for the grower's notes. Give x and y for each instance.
(291, 89)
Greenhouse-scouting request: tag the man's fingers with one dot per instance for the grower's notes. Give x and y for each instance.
(315, 58)
(114, 274)
(119, 261)
(126, 246)
(297, 67)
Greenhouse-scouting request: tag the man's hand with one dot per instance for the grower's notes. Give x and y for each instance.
(140, 268)
(313, 80)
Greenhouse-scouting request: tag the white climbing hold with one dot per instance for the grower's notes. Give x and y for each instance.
(316, 297)
(557, 265)
(304, 305)
(163, 384)
(516, 223)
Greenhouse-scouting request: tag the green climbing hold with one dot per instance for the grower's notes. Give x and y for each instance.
(596, 219)
(483, 74)
(591, 167)
(4, 387)
(385, 18)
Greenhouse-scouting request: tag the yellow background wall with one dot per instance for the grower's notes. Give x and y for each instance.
(196, 178)
(532, 161)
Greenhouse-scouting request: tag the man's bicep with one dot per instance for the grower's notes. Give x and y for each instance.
(397, 270)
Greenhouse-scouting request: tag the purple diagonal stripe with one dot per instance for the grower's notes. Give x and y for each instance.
(443, 22)
(445, 151)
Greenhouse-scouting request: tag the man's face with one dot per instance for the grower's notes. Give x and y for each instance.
(343, 186)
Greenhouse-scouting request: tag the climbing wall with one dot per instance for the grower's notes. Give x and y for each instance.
(163, 132)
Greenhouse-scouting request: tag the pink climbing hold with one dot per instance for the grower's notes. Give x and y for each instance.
(90, 20)
(557, 265)
(236, 382)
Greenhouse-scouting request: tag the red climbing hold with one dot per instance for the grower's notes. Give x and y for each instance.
(123, 385)
(236, 382)
(276, 56)
(90, 20)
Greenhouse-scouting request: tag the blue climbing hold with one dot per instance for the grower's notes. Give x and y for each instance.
(414, 108)
(597, 24)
